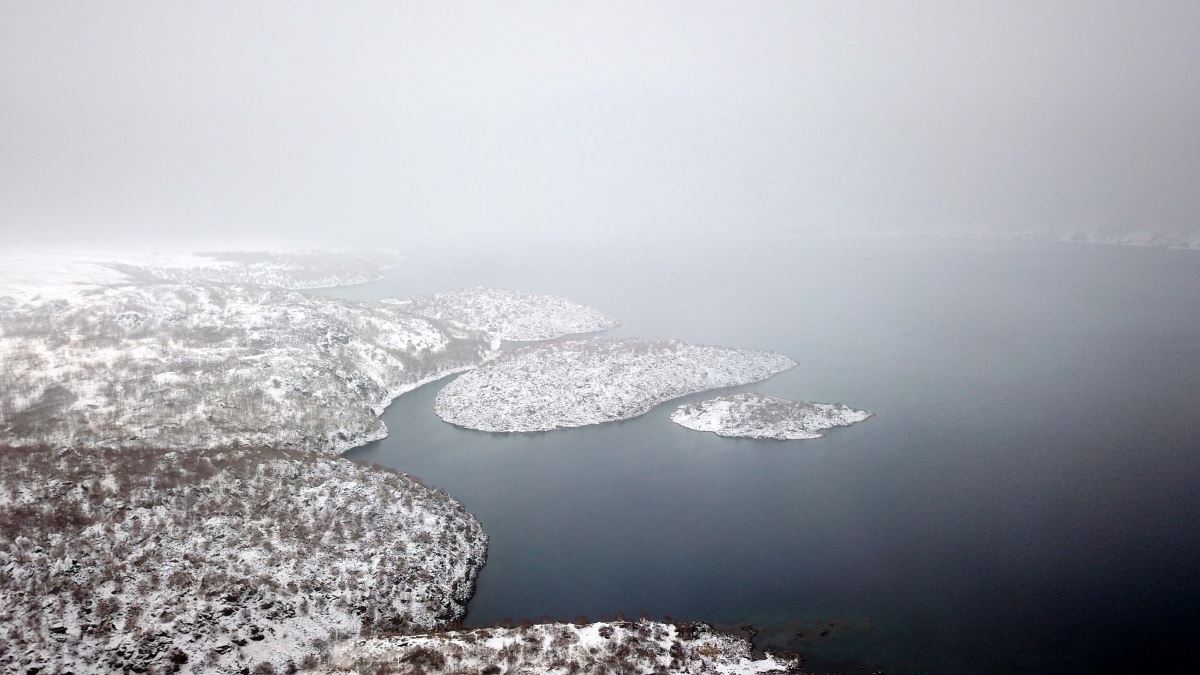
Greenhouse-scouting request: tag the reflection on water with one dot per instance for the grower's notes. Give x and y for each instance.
(1025, 500)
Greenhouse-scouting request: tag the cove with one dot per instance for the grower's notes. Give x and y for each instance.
(1024, 500)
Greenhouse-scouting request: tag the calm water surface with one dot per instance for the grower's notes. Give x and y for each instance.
(1027, 498)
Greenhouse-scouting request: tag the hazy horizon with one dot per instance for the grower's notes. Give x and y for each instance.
(142, 124)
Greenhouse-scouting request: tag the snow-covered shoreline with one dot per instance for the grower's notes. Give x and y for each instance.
(749, 415)
(591, 381)
(625, 647)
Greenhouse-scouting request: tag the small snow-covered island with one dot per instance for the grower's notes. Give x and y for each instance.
(749, 415)
(592, 381)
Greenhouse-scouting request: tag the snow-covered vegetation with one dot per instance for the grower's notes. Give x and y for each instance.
(606, 648)
(196, 365)
(760, 416)
(295, 270)
(512, 315)
(595, 380)
(144, 560)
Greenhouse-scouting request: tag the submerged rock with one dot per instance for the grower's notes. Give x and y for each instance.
(582, 382)
(761, 416)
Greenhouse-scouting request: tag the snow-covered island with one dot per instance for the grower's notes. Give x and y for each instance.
(511, 315)
(144, 560)
(630, 648)
(202, 365)
(591, 381)
(749, 415)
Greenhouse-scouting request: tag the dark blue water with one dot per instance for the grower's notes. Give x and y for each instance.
(1026, 500)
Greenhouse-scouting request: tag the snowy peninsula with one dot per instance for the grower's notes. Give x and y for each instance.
(761, 416)
(174, 365)
(140, 560)
(591, 381)
(511, 315)
(631, 648)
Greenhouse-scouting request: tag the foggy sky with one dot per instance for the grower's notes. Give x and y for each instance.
(133, 122)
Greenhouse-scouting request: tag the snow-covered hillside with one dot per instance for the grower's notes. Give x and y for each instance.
(192, 365)
(607, 648)
(512, 315)
(136, 560)
(761, 416)
(590, 381)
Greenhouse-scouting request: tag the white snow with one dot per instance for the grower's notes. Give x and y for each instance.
(614, 647)
(512, 315)
(125, 560)
(198, 365)
(26, 276)
(750, 415)
(591, 381)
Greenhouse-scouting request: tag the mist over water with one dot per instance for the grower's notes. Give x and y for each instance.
(1024, 499)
